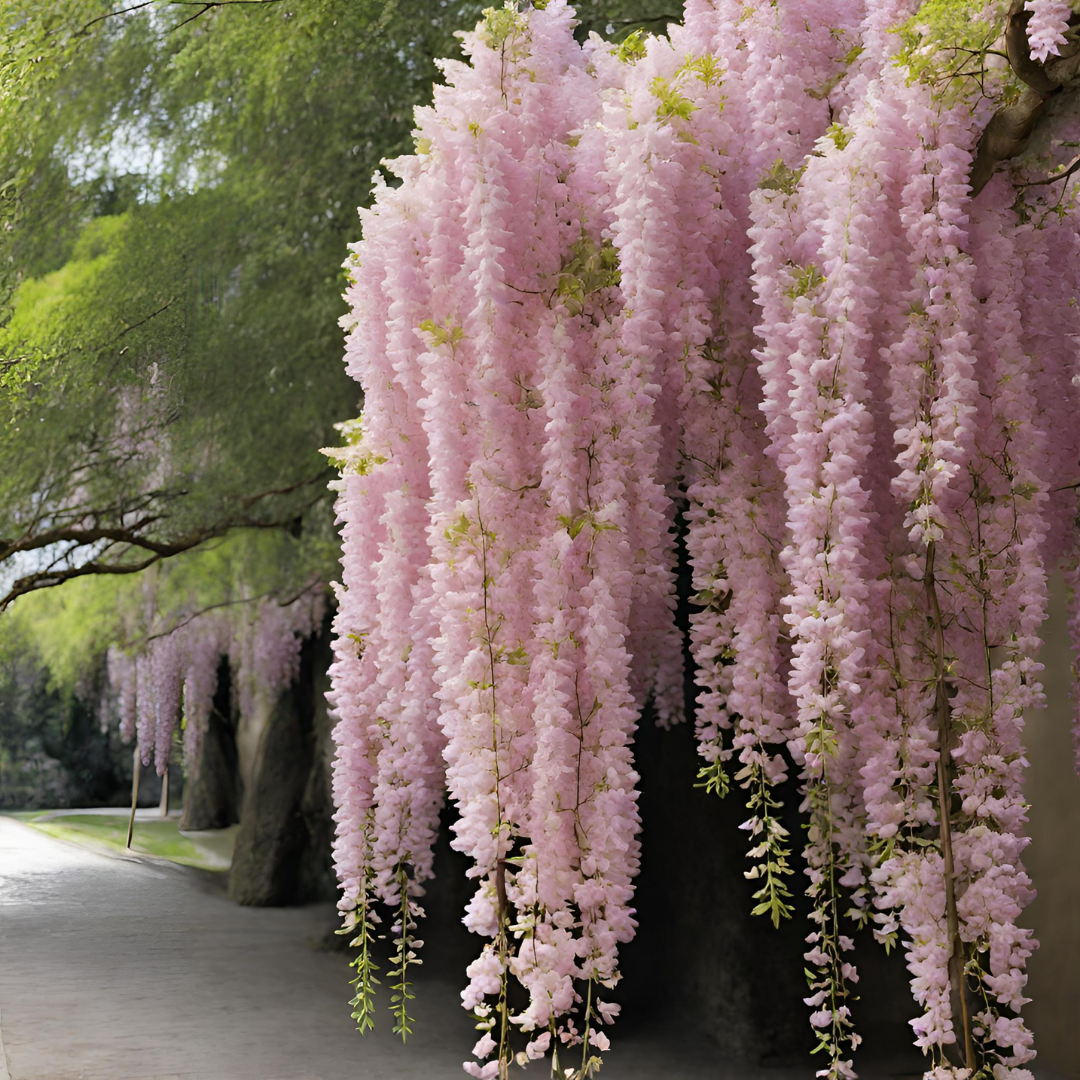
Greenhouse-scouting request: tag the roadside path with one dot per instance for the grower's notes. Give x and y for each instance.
(123, 967)
(118, 968)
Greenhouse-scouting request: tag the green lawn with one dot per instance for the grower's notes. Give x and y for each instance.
(159, 838)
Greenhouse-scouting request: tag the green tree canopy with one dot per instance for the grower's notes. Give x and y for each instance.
(178, 184)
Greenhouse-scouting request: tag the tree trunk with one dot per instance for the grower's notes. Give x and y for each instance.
(213, 788)
(282, 853)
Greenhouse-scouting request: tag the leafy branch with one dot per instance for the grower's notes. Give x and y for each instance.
(193, 615)
(404, 957)
(204, 5)
(1011, 127)
(360, 922)
(110, 547)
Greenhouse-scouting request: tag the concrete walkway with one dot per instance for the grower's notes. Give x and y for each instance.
(128, 968)
(123, 968)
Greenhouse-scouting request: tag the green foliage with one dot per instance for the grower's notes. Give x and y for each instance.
(71, 627)
(450, 333)
(782, 178)
(770, 848)
(159, 838)
(706, 68)
(632, 48)
(589, 269)
(950, 23)
(806, 279)
(359, 923)
(501, 25)
(713, 778)
(672, 103)
(52, 752)
(404, 957)
(839, 135)
(947, 40)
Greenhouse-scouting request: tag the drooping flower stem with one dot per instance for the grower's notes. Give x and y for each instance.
(403, 958)
(501, 942)
(773, 896)
(503, 945)
(360, 921)
(585, 1034)
(941, 704)
(828, 983)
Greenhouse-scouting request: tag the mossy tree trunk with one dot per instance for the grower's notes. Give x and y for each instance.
(282, 853)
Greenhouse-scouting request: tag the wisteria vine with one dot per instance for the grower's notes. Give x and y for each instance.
(735, 273)
(164, 680)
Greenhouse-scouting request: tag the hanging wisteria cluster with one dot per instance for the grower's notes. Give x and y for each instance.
(170, 676)
(737, 274)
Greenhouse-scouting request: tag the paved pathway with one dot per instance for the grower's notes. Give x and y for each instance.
(129, 968)
(117, 968)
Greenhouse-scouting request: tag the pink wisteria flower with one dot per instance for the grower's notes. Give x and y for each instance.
(1047, 26)
(733, 280)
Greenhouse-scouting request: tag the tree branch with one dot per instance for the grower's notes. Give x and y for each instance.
(191, 616)
(208, 5)
(8, 363)
(1010, 128)
(83, 537)
(128, 327)
(1005, 136)
(46, 579)
(1063, 175)
(113, 14)
(1017, 48)
(287, 490)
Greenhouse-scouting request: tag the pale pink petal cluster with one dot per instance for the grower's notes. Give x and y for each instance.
(737, 266)
(171, 677)
(120, 673)
(204, 642)
(146, 714)
(1047, 26)
(168, 688)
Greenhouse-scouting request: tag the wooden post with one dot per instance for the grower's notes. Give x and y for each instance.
(134, 793)
(165, 792)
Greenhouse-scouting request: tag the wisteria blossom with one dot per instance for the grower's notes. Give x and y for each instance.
(120, 672)
(730, 282)
(203, 643)
(169, 677)
(167, 674)
(146, 714)
(1047, 26)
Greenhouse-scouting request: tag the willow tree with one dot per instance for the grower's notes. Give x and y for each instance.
(176, 189)
(804, 274)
